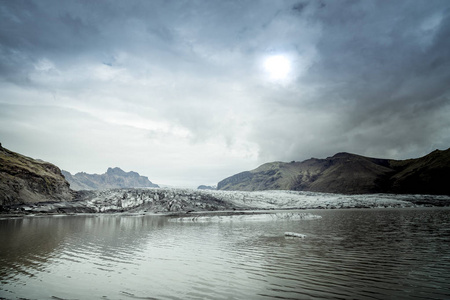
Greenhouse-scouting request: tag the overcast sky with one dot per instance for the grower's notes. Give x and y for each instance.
(191, 92)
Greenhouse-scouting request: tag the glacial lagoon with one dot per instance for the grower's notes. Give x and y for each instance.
(346, 254)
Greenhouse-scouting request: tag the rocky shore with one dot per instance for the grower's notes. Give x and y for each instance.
(171, 201)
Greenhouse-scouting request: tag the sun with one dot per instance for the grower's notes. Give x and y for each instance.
(277, 66)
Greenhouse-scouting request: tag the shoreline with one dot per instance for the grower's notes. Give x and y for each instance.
(221, 213)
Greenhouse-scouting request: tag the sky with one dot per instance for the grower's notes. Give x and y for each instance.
(191, 92)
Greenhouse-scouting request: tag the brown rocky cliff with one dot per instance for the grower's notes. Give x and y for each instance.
(27, 180)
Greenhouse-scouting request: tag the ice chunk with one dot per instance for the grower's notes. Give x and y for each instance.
(295, 234)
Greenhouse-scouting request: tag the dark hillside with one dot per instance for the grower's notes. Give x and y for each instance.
(350, 174)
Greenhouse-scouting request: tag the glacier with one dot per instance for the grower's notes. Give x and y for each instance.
(182, 200)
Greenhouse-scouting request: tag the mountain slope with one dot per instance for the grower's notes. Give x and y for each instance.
(113, 178)
(427, 175)
(27, 180)
(349, 174)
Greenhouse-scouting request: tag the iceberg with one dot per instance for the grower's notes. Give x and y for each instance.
(295, 234)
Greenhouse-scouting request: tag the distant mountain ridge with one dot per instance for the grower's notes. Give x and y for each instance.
(350, 174)
(206, 187)
(113, 178)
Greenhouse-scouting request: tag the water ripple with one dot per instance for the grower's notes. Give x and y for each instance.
(364, 254)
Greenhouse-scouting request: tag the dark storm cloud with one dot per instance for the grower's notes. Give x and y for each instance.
(382, 69)
(369, 77)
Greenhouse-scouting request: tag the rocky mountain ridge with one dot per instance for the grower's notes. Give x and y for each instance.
(348, 173)
(27, 180)
(113, 178)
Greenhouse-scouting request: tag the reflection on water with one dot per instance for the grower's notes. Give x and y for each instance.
(360, 254)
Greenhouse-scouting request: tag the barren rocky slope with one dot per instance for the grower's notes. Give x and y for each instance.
(350, 174)
(25, 180)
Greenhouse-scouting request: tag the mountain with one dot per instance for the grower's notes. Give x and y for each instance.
(113, 178)
(206, 187)
(27, 180)
(350, 174)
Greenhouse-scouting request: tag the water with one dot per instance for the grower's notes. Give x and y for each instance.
(347, 254)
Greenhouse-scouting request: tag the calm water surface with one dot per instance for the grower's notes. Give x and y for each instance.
(347, 254)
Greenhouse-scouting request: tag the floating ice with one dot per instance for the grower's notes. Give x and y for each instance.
(294, 234)
(247, 217)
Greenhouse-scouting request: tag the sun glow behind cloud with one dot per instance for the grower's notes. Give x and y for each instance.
(278, 67)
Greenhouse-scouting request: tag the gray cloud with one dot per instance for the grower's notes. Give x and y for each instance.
(177, 89)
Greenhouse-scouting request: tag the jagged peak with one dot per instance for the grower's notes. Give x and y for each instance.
(115, 171)
(114, 177)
